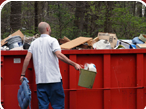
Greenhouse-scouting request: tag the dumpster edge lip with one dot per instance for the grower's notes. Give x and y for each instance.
(70, 52)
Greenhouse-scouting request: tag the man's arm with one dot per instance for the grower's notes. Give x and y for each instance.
(63, 58)
(25, 64)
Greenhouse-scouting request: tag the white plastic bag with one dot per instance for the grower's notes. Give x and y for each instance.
(90, 67)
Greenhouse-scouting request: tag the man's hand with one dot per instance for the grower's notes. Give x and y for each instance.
(21, 79)
(77, 67)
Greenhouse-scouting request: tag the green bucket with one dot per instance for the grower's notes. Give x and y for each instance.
(86, 78)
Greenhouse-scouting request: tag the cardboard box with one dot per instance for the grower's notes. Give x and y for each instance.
(112, 38)
(17, 33)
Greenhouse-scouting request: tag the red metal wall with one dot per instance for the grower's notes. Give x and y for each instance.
(119, 84)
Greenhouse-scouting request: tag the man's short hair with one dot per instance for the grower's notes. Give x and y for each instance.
(42, 27)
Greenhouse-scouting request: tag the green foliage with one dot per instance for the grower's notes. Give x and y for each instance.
(64, 19)
(61, 16)
(126, 25)
(28, 32)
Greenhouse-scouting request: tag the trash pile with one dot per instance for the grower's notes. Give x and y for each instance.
(90, 67)
(17, 41)
(103, 41)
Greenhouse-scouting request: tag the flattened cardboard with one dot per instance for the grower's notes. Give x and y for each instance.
(141, 46)
(17, 33)
(76, 42)
(110, 37)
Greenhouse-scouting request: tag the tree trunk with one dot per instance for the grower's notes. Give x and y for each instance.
(79, 18)
(45, 10)
(36, 15)
(134, 6)
(108, 14)
(15, 16)
(87, 6)
(138, 9)
(145, 13)
(60, 20)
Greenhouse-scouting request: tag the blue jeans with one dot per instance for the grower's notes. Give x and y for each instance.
(50, 93)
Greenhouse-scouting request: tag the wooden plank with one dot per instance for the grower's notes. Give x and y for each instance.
(76, 42)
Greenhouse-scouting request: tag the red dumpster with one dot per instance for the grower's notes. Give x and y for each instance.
(119, 84)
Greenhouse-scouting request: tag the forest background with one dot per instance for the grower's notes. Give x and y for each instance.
(127, 19)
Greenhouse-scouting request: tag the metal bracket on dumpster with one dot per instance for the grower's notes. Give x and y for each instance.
(30, 69)
(140, 87)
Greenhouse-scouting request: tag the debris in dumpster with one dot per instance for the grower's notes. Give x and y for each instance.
(17, 33)
(120, 47)
(102, 41)
(4, 48)
(102, 44)
(112, 38)
(30, 39)
(141, 46)
(121, 44)
(64, 40)
(84, 46)
(136, 40)
(74, 43)
(142, 37)
(17, 48)
(90, 67)
(26, 46)
(91, 42)
(14, 41)
(96, 39)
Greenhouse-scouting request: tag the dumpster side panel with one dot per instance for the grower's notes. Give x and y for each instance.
(87, 98)
(12, 71)
(64, 69)
(144, 79)
(98, 61)
(2, 80)
(123, 76)
(120, 81)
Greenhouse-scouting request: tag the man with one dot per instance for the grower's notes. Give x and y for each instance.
(45, 51)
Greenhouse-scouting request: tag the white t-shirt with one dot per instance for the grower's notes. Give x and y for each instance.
(45, 61)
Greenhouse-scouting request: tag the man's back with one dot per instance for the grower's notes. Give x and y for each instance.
(46, 52)
(44, 59)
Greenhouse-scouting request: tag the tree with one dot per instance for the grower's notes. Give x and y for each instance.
(74, 18)
(138, 9)
(145, 13)
(5, 20)
(108, 14)
(36, 15)
(15, 17)
(79, 17)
